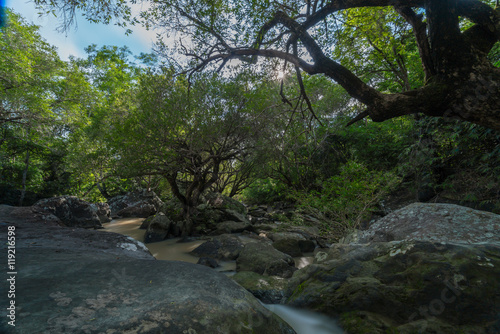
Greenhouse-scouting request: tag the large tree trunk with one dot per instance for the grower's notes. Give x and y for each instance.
(471, 96)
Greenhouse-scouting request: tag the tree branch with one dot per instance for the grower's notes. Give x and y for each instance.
(420, 32)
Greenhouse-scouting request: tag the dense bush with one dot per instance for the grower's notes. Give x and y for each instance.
(348, 198)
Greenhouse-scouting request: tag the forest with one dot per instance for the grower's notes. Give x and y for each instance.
(271, 166)
(203, 115)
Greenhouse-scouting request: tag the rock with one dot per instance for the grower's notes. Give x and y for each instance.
(140, 204)
(72, 211)
(140, 209)
(262, 258)
(404, 287)
(288, 246)
(158, 229)
(307, 246)
(103, 211)
(208, 262)
(232, 227)
(258, 212)
(265, 227)
(86, 281)
(36, 230)
(285, 236)
(293, 243)
(219, 201)
(435, 222)
(209, 217)
(146, 222)
(268, 289)
(232, 215)
(223, 247)
(172, 208)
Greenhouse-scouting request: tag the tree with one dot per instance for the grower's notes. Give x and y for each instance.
(30, 72)
(107, 81)
(187, 135)
(460, 80)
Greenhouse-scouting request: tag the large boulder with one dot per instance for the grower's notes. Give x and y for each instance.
(223, 247)
(72, 211)
(404, 287)
(434, 222)
(141, 204)
(85, 281)
(263, 259)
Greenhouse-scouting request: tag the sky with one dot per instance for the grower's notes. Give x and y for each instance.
(78, 38)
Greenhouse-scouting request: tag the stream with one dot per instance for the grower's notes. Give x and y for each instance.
(302, 321)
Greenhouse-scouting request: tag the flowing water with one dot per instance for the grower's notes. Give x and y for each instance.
(305, 322)
(302, 321)
(170, 249)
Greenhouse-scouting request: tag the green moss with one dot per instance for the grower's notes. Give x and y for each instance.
(366, 323)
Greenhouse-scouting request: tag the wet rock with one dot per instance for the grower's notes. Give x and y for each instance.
(436, 223)
(223, 247)
(268, 289)
(140, 204)
(158, 229)
(401, 285)
(85, 281)
(208, 262)
(262, 258)
(72, 211)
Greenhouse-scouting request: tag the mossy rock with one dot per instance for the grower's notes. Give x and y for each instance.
(268, 289)
(400, 283)
(263, 259)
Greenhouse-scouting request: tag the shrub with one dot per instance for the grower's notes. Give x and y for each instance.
(348, 198)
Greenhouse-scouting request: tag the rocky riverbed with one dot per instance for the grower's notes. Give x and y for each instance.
(426, 268)
(73, 280)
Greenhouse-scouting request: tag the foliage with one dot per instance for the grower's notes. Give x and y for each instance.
(377, 43)
(265, 191)
(348, 198)
(32, 111)
(447, 155)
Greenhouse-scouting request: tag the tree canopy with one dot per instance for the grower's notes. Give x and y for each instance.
(451, 38)
(113, 122)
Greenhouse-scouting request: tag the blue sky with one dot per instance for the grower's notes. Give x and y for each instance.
(74, 41)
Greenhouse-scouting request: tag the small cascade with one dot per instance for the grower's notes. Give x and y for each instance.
(304, 321)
